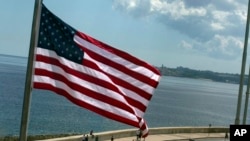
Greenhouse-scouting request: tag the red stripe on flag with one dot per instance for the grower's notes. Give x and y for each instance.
(83, 104)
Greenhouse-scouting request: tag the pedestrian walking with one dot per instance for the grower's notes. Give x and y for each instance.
(87, 138)
(138, 135)
(226, 136)
(83, 137)
(91, 132)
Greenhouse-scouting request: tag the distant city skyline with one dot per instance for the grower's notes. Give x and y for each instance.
(202, 35)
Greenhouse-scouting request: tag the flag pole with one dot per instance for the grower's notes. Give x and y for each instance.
(243, 65)
(29, 71)
(246, 100)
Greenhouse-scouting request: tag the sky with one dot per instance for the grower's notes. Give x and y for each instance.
(198, 34)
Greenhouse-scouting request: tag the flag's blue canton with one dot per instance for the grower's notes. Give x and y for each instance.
(56, 35)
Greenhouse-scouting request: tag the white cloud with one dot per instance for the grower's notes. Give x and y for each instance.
(216, 27)
(176, 9)
(137, 8)
(220, 19)
(186, 45)
(128, 4)
(227, 46)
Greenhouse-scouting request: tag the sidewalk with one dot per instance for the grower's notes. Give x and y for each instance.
(183, 137)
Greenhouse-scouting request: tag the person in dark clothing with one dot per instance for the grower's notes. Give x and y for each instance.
(91, 132)
(112, 138)
(138, 135)
(226, 136)
(87, 138)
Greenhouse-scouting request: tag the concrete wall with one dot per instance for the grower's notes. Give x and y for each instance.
(152, 131)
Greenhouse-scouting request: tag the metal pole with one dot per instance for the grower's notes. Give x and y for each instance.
(243, 65)
(246, 100)
(29, 71)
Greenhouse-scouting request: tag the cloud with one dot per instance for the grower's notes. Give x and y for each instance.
(215, 27)
(186, 45)
(228, 46)
(137, 8)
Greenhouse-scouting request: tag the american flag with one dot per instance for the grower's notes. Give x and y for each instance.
(92, 74)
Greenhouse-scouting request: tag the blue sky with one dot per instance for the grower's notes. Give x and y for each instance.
(203, 35)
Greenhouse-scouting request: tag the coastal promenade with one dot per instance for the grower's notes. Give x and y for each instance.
(158, 134)
(181, 137)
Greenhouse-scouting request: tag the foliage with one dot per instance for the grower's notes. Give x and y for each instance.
(199, 74)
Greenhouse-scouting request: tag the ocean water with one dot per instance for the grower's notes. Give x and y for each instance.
(176, 102)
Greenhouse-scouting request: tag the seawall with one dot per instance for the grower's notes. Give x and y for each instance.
(152, 131)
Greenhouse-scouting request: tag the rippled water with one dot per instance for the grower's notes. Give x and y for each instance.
(176, 102)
